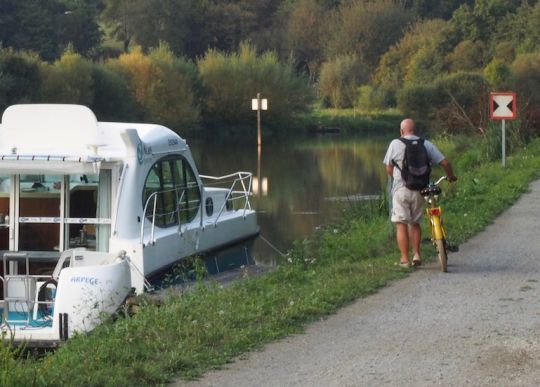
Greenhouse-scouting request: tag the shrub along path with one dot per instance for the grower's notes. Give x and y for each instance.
(476, 325)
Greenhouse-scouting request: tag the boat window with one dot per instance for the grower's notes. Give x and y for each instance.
(171, 187)
(81, 207)
(191, 200)
(39, 211)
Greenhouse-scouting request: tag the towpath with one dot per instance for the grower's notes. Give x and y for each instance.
(477, 325)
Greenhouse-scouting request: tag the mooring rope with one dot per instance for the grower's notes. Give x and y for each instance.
(271, 245)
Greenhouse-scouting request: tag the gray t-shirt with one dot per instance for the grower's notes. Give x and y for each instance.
(396, 152)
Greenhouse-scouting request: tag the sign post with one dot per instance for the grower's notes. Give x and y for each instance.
(259, 104)
(502, 106)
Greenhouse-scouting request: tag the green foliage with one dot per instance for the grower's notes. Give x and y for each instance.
(20, 78)
(399, 62)
(467, 56)
(230, 81)
(418, 101)
(372, 99)
(68, 80)
(47, 27)
(304, 33)
(354, 51)
(112, 99)
(367, 28)
(339, 80)
(478, 22)
(454, 101)
(162, 86)
(498, 74)
(526, 82)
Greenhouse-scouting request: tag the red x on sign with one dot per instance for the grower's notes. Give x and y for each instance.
(502, 106)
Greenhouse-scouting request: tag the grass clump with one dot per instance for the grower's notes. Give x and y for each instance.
(207, 326)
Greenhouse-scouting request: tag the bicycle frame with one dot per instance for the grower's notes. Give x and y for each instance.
(435, 219)
(434, 213)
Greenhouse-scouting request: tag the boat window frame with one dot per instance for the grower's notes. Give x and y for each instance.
(182, 176)
(64, 219)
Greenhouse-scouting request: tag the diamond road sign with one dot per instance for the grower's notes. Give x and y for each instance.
(502, 106)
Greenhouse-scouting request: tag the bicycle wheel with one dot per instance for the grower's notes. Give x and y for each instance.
(441, 249)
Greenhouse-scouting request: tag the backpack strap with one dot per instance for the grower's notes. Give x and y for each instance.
(404, 141)
(396, 165)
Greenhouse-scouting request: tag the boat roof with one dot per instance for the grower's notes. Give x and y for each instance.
(36, 136)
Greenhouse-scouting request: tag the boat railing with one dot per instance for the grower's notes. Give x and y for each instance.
(20, 293)
(175, 214)
(238, 187)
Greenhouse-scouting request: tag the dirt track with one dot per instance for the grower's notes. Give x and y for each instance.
(479, 324)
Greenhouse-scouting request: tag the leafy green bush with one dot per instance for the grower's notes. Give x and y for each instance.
(230, 81)
(456, 102)
(162, 86)
(498, 74)
(20, 79)
(526, 77)
(112, 99)
(339, 80)
(68, 80)
(418, 101)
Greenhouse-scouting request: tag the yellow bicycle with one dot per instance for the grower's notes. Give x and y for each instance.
(434, 212)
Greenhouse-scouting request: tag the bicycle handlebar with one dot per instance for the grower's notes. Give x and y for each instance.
(440, 179)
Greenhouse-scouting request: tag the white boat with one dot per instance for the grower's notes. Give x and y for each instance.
(106, 205)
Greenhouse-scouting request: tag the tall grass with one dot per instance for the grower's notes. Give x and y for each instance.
(208, 326)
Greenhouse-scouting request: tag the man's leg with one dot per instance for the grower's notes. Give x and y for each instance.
(402, 233)
(416, 238)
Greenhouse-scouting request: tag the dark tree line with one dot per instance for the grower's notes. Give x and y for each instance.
(365, 54)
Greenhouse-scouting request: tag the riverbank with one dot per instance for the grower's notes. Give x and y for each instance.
(210, 326)
(476, 325)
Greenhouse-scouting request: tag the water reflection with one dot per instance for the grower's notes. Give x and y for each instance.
(299, 184)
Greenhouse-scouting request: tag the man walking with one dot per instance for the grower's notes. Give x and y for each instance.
(407, 203)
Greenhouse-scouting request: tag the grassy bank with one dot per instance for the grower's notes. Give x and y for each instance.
(210, 325)
(351, 121)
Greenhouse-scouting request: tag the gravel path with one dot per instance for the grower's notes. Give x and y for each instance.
(477, 325)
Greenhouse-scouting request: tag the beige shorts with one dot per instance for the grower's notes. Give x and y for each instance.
(407, 206)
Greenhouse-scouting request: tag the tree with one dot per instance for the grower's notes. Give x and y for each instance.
(432, 9)
(68, 80)
(148, 22)
(367, 29)
(522, 28)
(161, 85)
(340, 79)
(526, 82)
(415, 58)
(479, 22)
(456, 102)
(230, 81)
(498, 74)
(47, 27)
(230, 22)
(20, 79)
(303, 34)
(467, 55)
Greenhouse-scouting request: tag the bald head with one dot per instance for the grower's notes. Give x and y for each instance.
(407, 127)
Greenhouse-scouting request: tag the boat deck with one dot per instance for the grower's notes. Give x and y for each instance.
(25, 319)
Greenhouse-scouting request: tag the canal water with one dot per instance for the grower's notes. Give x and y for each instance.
(300, 184)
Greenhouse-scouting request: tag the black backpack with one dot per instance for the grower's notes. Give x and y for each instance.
(416, 166)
